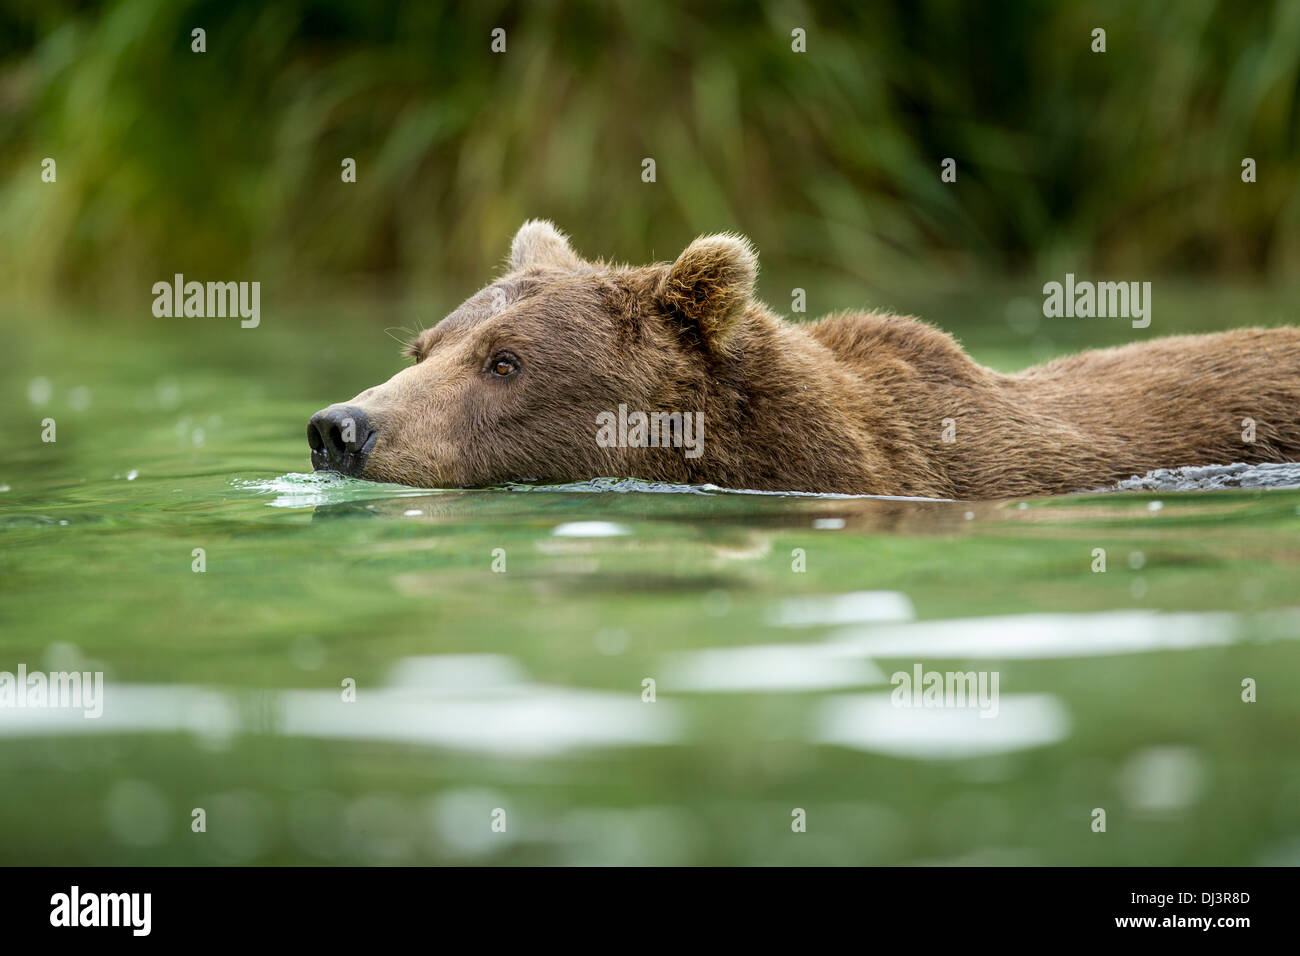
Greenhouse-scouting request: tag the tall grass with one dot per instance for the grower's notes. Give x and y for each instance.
(227, 162)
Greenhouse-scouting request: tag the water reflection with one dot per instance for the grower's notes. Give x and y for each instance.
(1037, 636)
(768, 667)
(479, 703)
(487, 704)
(871, 722)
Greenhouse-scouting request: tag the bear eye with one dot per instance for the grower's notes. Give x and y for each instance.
(503, 366)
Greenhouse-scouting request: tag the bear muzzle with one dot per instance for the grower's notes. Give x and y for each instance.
(341, 438)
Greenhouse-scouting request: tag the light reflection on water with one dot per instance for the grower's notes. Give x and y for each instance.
(486, 703)
(476, 703)
(1041, 636)
(872, 722)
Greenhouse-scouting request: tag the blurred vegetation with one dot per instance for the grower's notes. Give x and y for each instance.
(227, 163)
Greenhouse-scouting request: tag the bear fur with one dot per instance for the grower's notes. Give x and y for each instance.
(512, 384)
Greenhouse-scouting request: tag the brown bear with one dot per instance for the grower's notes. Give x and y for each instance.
(566, 370)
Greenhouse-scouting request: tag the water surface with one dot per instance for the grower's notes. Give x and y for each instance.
(500, 641)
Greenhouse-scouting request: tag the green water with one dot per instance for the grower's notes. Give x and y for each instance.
(499, 641)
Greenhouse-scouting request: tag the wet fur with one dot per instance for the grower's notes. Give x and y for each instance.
(852, 403)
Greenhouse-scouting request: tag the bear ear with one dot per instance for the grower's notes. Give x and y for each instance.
(538, 244)
(709, 286)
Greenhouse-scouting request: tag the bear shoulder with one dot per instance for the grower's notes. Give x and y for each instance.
(872, 338)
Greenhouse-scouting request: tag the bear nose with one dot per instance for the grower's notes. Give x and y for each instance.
(340, 438)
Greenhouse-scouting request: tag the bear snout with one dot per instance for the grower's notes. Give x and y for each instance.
(341, 438)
